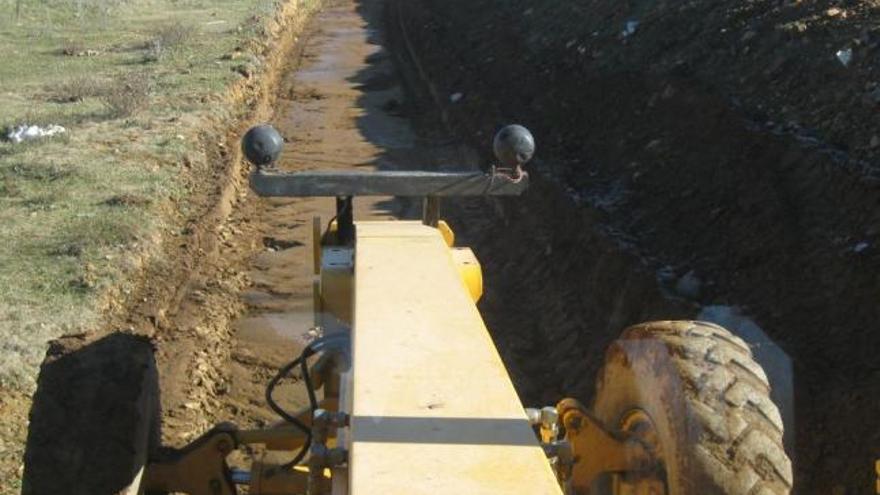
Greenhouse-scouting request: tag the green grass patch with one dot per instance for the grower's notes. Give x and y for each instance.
(129, 79)
(68, 215)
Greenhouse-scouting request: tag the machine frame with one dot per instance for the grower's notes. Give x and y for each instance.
(438, 412)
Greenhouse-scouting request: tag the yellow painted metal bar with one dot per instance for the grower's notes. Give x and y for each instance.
(469, 270)
(283, 435)
(433, 409)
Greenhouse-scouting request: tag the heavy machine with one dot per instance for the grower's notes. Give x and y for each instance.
(408, 394)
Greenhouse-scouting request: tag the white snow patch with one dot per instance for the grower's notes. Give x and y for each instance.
(858, 248)
(28, 132)
(630, 28)
(844, 56)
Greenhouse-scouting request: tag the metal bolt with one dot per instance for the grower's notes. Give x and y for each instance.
(549, 416)
(534, 415)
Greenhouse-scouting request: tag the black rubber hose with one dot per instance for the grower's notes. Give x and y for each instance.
(282, 373)
(302, 361)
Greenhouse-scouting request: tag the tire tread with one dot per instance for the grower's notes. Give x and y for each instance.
(728, 393)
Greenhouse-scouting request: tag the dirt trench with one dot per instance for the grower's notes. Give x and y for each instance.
(673, 200)
(560, 283)
(367, 89)
(237, 305)
(757, 241)
(357, 98)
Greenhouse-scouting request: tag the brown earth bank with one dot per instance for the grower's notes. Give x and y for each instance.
(718, 154)
(184, 300)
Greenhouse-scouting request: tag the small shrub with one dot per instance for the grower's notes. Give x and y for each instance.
(72, 48)
(127, 95)
(41, 172)
(75, 89)
(8, 187)
(127, 199)
(154, 50)
(166, 39)
(176, 34)
(71, 249)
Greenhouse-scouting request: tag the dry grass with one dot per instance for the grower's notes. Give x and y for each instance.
(175, 34)
(76, 89)
(170, 38)
(127, 94)
(72, 47)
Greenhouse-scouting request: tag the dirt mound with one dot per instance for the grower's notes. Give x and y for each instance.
(94, 417)
(722, 146)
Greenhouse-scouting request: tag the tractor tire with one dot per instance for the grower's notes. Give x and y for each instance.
(715, 429)
(95, 418)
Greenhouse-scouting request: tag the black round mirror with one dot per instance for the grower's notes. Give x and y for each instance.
(514, 145)
(262, 145)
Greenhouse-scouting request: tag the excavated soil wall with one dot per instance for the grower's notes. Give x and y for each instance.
(657, 195)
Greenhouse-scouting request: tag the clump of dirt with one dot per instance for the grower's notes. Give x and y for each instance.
(92, 388)
(725, 147)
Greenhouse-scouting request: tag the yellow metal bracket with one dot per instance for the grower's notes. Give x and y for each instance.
(274, 479)
(446, 232)
(595, 450)
(198, 469)
(469, 270)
